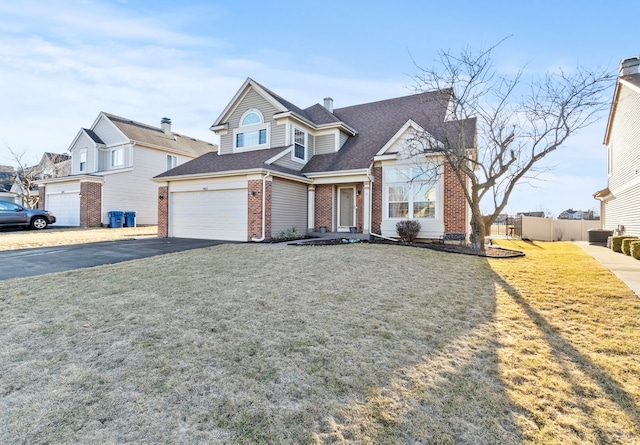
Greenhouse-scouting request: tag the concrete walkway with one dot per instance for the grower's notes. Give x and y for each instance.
(624, 267)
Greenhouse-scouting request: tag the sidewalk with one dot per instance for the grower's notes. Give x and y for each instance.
(624, 267)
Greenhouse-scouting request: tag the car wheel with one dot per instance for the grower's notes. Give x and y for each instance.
(39, 223)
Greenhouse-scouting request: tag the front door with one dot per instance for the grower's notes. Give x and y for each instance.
(346, 208)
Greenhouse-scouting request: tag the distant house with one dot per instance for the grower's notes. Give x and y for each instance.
(111, 167)
(577, 214)
(6, 181)
(620, 200)
(316, 169)
(536, 214)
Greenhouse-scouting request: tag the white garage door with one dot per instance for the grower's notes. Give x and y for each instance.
(212, 214)
(65, 207)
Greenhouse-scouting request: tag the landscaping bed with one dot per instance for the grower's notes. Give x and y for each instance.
(489, 251)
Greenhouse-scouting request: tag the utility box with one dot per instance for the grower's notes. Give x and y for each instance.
(116, 220)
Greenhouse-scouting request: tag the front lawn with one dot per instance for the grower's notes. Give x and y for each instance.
(359, 343)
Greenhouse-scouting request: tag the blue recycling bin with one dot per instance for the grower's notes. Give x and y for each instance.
(116, 220)
(129, 219)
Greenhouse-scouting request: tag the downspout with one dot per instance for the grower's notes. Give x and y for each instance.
(264, 211)
(370, 207)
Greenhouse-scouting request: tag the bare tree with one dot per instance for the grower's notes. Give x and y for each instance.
(23, 180)
(517, 124)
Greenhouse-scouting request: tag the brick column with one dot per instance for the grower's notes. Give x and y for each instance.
(455, 204)
(376, 199)
(90, 204)
(163, 211)
(324, 207)
(41, 197)
(254, 209)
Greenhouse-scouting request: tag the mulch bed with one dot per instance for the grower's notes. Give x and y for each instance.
(489, 251)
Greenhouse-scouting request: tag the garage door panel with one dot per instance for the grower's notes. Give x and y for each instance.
(65, 207)
(211, 214)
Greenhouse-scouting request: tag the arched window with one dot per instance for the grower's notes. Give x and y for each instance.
(252, 131)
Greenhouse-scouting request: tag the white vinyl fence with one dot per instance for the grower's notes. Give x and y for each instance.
(547, 229)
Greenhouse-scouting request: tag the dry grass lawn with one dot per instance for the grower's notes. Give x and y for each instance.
(352, 344)
(24, 239)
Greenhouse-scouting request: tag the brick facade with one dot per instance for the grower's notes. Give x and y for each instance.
(455, 204)
(323, 213)
(254, 209)
(90, 204)
(163, 212)
(359, 206)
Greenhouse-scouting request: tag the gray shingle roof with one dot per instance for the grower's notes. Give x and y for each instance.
(93, 136)
(155, 136)
(376, 123)
(213, 163)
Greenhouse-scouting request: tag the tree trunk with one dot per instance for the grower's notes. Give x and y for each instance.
(477, 226)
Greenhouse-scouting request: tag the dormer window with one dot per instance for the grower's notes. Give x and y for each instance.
(299, 145)
(253, 131)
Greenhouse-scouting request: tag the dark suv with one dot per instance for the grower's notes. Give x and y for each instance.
(12, 214)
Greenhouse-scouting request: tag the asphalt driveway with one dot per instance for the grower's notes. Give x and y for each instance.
(38, 261)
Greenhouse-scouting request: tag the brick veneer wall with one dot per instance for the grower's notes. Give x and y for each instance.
(376, 199)
(455, 204)
(254, 210)
(323, 213)
(163, 211)
(41, 197)
(90, 204)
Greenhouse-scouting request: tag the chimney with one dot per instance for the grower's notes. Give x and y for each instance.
(165, 124)
(629, 65)
(328, 104)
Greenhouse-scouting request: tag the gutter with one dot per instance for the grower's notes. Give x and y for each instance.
(264, 205)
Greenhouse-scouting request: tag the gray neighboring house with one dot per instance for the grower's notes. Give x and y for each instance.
(111, 167)
(620, 200)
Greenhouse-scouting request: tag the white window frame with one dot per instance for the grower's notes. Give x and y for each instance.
(251, 129)
(116, 157)
(82, 165)
(412, 182)
(305, 145)
(172, 161)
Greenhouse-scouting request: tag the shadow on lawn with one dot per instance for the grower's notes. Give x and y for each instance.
(566, 354)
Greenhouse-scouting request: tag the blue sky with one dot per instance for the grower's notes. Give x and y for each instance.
(62, 62)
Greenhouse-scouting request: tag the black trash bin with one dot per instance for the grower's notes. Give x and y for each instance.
(129, 219)
(116, 220)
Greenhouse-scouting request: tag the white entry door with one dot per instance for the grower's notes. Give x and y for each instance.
(346, 208)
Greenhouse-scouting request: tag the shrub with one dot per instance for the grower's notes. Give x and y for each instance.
(408, 230)
(626, 244)
(635, 249)
(616, 242)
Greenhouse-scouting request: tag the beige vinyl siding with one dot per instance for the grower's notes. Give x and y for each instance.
(624, 210)
(84, 142)
(311, 141)
(287, 162)
(343, 138)
(325, 144)
(133, 190)
(288, 206)
(625, 139)
(253, 100)
(109, 133)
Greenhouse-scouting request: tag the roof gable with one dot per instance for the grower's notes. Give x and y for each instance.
(633, 83)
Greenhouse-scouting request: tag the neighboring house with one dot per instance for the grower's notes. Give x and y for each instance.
(6, 182)
(281, 167)
(112, 164)
(620, 200)
(54, 165)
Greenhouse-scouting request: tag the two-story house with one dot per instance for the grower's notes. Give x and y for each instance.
(620, 200)
(281, 167)
(112, 164)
